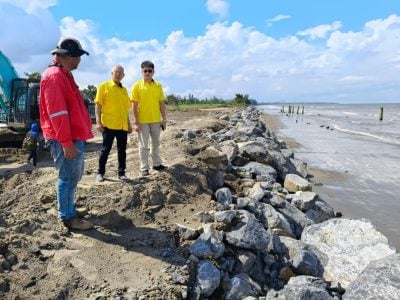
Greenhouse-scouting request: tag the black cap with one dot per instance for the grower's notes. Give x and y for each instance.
(69, 47)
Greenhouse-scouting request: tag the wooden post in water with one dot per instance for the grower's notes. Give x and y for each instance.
(298, 107)
(302, 110)
(381, 114)
(289, 109)
(283, 108)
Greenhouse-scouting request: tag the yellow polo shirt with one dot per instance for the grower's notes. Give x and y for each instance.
(115, 105)
(148, 96)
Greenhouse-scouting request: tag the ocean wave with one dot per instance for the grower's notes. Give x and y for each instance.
(349, 113)
(378, 137)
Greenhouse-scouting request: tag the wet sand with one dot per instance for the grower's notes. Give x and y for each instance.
(357, 192)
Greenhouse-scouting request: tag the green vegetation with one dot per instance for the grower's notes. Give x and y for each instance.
(34, 75)
(184, 103)
(196, 106)
(89, 92)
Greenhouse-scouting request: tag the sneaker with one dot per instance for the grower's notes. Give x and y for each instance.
(145, 173)
(78, 224)
(99, 178)
(123, 178)
(159, 168)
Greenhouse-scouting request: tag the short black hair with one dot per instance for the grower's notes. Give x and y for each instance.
(147, 64)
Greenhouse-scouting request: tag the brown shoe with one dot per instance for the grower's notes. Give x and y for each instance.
(78, 224)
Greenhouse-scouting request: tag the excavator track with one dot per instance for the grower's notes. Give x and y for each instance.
(10, 138)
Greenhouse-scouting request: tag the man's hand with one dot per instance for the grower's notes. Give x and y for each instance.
(100, 127)
(164, 124)
(71, 152)
(137, 127)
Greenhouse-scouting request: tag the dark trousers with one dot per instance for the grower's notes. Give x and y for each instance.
(108, 139)
(33, 156)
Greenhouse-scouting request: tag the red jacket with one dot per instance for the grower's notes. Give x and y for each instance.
(63, 114)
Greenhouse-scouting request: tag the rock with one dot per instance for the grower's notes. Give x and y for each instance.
(229, 148)
(238, 288)
(248, 233)
(285, 273)
(256, 192)
(276, 221)
(215, 178)
(250, 131)
(3, 247)
(82, 211)
(11, 258)
(225, 216)
(294, 183)
(306, 262)
(254, 151)
(224, 196)
(277, 201)
(224, 117)
(304, 288)
(189, 135)
(194, 149)
(261, 171)
(208, 278)
(348, 246)
(304, 200)
(186, 233)
(4, 286)
(209, 244)
(320, 212)
(301, 167)
(244, 261)
(379, 280)
(214, 157)
(242, 202)
(296, 217)
(282, 164)
(4, 264)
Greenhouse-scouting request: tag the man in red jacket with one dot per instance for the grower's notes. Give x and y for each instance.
(66, 126)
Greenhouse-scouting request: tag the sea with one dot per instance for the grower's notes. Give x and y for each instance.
(351, 140)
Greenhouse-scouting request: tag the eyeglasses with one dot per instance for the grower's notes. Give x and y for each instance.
(147, 71)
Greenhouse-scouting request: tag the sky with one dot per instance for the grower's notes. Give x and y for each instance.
(273, 50)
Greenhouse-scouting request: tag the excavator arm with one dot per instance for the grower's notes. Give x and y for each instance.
(19, 97)
(7, 74)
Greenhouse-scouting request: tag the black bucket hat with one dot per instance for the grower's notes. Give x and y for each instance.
(69, 47)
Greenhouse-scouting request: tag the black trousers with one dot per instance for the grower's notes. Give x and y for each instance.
(108, 139)
(33, 156)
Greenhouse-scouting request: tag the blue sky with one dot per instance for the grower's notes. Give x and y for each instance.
(281, 50)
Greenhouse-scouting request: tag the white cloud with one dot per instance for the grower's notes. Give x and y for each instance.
(277, 19)
(31, 6)
(26, 37)
(320, 31)
(226, 59)
(218, 7)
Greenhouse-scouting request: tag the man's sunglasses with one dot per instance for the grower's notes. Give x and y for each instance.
(147, 71)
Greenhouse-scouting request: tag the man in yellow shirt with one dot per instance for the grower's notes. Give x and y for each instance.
(112, 120)
(150, 117)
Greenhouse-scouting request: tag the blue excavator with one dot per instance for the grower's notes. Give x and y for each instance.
(19, 97)
(19, 103)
